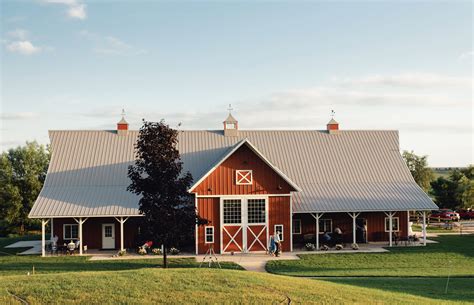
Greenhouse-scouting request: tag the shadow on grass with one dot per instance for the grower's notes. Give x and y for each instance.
(459, 289)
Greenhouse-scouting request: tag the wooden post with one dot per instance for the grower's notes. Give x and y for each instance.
(317, 216)
(121, 220)
(424, 228)
(390, 229)
(354, 216)
(80, 236)
(43, 237)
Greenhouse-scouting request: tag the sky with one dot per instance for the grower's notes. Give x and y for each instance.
(404, 65)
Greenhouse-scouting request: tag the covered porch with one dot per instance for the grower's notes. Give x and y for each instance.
(116, 233)
(357, 228)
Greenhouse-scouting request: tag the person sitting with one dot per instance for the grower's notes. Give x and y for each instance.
(71, 247)
(326, 238)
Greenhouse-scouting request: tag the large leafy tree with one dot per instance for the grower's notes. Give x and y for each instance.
(22, 174)
(418, 166)
(455, 191)
(157, 176)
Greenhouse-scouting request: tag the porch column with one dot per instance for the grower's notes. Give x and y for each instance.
(52, 228)
(121, 220)
(81, 241)
(424, 228)
(354, 216)
(390, 229)
(44, 222)
(317, 216)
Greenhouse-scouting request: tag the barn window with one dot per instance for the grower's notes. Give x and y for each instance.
(70, 231)
(243, 177)
(209, 234)
(232, 211)
(296, 226)
(256, 211)
(325, 225)
(395, 224)
(279, 230)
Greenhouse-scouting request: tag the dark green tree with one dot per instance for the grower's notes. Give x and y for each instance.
(22, 174)
(455, 191)
(157, 176)
(418, 166)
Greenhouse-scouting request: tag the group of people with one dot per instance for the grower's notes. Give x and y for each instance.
(331, 239)
(274, 247)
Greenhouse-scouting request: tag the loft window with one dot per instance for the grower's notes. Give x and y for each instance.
(232, 211)
(243, 177)
(256, 211)
(230, 126)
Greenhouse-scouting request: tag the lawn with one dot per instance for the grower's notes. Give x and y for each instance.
(185, 286)
(434, 229)
(453, 255)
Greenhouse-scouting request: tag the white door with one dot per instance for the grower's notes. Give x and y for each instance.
(108, 236)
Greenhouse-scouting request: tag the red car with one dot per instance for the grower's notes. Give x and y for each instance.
(466, 214)
(445, 214)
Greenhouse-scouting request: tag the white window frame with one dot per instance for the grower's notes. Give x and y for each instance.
(387, 224)
(282, 235)
(266, 212)
(71, 225)
(238, 180)
(241, 212)
(206, 234)
(324, 220)
(297, 227)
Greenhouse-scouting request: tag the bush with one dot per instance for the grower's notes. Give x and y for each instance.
(174, 251)
(156, 251)
(142, 251)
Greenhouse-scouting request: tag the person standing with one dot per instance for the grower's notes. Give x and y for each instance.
(276, 238)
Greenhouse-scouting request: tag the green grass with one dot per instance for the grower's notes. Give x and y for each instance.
(434, 229)
(453, 255)
(190, 286)
(459, 289)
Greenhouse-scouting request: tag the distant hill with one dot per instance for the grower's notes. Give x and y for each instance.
(443, 171)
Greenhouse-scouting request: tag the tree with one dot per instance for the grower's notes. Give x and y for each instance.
(455, 191)
(156, 175)
(418, 166)
(22, 174)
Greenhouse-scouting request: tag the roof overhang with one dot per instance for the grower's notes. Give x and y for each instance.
(258, 153)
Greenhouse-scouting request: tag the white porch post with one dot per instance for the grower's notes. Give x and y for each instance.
(354, 216)
(44, 222)
(424, 228)
(121, 220)
(317, 216)
(80, 236)
(390, 229)
(52, 228)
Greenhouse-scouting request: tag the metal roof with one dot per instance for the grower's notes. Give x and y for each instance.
(347, 171)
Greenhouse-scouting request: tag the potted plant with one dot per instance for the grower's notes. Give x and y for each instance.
(174, 251)
(310, 247)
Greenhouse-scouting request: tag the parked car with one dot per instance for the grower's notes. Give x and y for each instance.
(466, 214)
(445, 214)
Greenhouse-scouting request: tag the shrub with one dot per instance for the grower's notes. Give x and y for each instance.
(141, 251)
(174, 251)
(156, 251)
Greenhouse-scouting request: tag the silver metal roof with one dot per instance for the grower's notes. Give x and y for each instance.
(348, 171)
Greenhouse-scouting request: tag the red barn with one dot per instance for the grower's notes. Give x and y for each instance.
(249, 184)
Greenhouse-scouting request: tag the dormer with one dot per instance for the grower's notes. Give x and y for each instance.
(122, 125)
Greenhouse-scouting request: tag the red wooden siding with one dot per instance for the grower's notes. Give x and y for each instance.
(279, 213)
(222, 180)
(208, 208)
(375, 225)
(258, 240)
(232, 238)
(92, 231)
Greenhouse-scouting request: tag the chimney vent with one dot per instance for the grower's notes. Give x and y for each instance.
(122, 125)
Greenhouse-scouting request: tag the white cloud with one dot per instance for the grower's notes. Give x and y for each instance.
(466, 55)
(75, 8)
(412, 80)
(19, 34)
(23, 47)
(19, 115)
(77, 11)
(110, 45)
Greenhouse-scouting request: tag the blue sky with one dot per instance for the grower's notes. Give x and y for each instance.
(73, 64)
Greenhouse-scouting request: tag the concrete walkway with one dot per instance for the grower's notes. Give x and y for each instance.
(34, 244)
(252, 262)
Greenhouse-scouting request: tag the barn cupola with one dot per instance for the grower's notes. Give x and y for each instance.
(231, 125)
(332, 126)
(122, 125)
